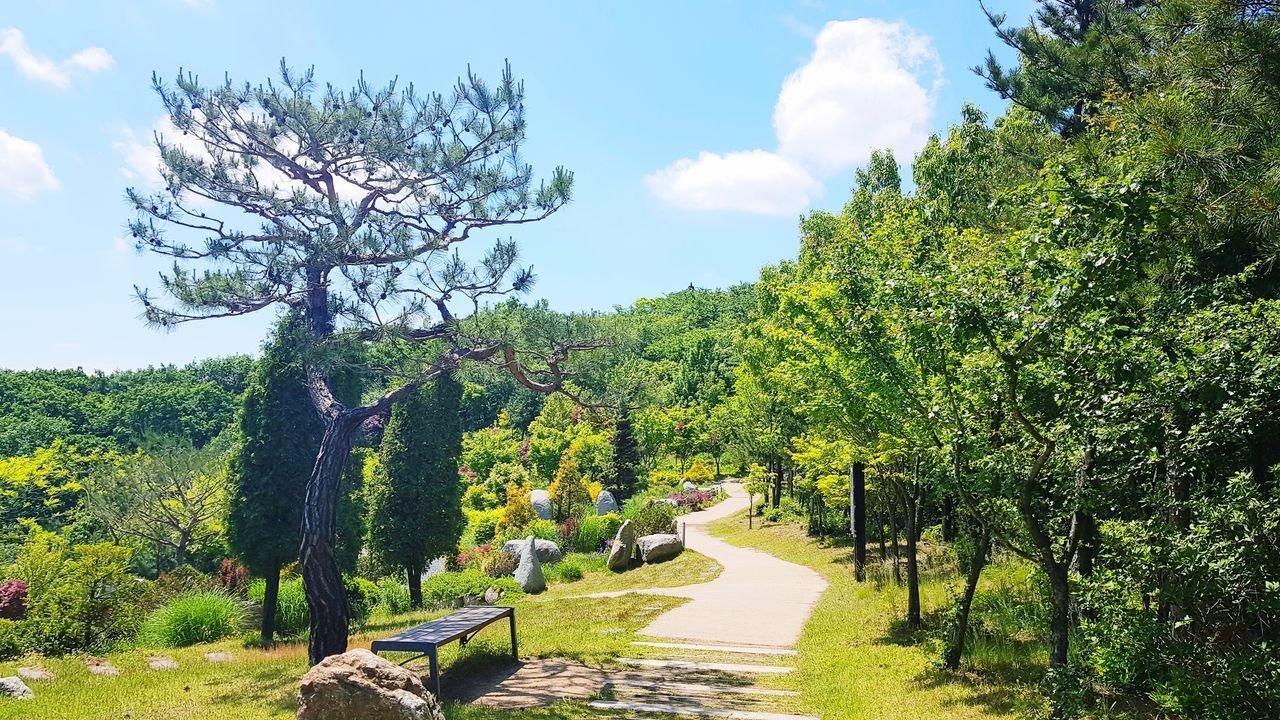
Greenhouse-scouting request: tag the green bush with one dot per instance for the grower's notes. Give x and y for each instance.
(566, 571)
(484, 524)
(448, 588)
(362, 595)
(10, 639)
(655, 518)
(594, 531)
(292, 616)
(79, 597)
(393, 597)
(200, 617)
(541, 529)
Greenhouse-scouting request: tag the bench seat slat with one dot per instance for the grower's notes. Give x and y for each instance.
(442, 631)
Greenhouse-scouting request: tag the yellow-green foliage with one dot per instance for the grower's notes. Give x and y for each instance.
(518, 511)
(478, 497)
(569, 489)
(699, 473)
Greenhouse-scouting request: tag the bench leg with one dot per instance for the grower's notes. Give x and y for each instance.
(434, 663)
(515, 653)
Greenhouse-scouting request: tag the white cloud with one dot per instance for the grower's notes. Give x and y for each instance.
(869, 84)
(37, 67)
(755, 181)
(23, 171)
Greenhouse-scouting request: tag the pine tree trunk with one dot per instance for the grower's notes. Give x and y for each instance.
(415, 587)
(858, 520)
(270, 601)
(913, 565)
(955, 651)
(322, 580)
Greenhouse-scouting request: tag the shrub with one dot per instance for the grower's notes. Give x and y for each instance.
(693, 500)
(698, 472)
(79, 597)
(182, 580)
(10, 639)
(233, 576)
(499, 564)
(656, 517)
(594, 531)
(663, 478)
(518, 511)
(13, 599)
(292, 616)
(478, 497)
(196, 618)
(567, 571)
(541, 529)
(393, 597)
(446, 589)
(362, 595)
(484, 524)
(569, 489)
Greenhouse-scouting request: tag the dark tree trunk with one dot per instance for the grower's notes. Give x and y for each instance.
(791, 483)
(1059, 615)
(897, 554)
(415, 587)
(955, 651)
(326, 594)
(858, 520)
(180, 552)
(270, 599)
(882, 531)
(777, 483)
(911, 501)
(948, 518)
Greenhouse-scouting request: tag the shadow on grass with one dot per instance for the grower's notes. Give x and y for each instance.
(992, 695)
(269, 688)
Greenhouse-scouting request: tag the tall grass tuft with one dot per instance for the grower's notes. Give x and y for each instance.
(199, 617)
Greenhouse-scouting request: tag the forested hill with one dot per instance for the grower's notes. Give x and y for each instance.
(117, 411)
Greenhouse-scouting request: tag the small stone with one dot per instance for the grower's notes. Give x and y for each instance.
(219, 657)
(541, 501)
(688, 486)
(654, 548)
(13, 687)
(98, 666)
(492, 596)
(161, 662)
(606, 503)
(36, 673)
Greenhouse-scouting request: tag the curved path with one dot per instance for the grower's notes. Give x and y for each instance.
(756, 600)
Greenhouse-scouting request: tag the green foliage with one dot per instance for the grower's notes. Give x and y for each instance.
(46, 487)
(593, 531)
(292, 615)
(393, 597)
(11, 644)
(653, 518)
(541, 529)
(449, 588)
(362, 597)
(698, 473)
(625, 480)
(485, 449)
(79, 597)
(415, 494)
(194, 618)
(518, 511)
(476, 497)
(569, 490)
(484, 524)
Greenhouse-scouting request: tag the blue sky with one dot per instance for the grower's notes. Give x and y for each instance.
(698, 133)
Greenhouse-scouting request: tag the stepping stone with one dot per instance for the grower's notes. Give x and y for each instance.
(667, 709)
(35, 673)
(743, 649)
(98, 666)
(219, 657)
(161, 662)
(695, 688)
(610, 631)
(722, 667)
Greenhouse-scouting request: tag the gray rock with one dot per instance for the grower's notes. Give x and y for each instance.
(359, 684)
(541, 503)
(623, 547)
(492, 596)
(162, 662)
(667, 501)
(13, 687)
(219, 657)
(654, 548)
(689, 486)
(606, 503)
(36, 673)
(98, 666)
(529, 570)
(548, 552)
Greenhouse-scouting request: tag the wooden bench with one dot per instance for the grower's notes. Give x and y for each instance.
(427, 638)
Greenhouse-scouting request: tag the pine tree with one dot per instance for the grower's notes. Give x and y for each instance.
(415, 496)
(626, 457)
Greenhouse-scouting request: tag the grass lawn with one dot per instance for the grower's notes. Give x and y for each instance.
(262, 684)
(856, 660)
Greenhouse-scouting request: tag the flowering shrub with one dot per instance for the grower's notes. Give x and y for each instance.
(13, 599)
(233, 576)
(693, 500)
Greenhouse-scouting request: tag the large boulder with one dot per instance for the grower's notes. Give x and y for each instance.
(623, 547)
(13, 687)
(654, 548)
(541, 501)
(548, 552)
(606, 503)
(359, 684)
(688, 486)
(529, 569)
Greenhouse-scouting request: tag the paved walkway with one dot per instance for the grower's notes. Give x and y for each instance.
(757, 599)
